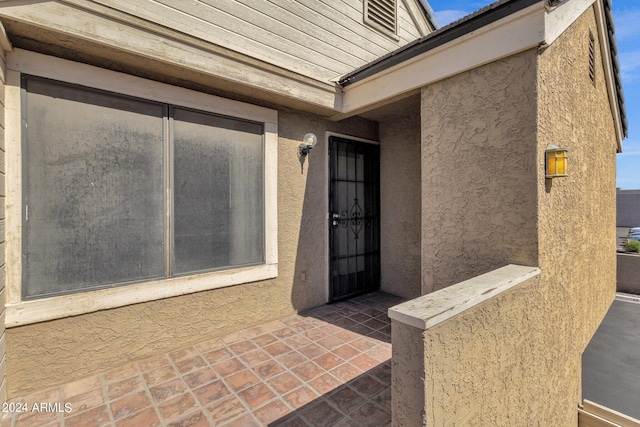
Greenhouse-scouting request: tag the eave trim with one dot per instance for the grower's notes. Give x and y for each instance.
(466, 25)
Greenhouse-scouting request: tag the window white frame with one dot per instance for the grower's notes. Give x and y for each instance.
(20, 312)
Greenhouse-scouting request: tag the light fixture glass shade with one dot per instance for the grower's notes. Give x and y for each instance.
(310, 140)
(556, 161)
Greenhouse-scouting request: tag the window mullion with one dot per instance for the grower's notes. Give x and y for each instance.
(168, 167)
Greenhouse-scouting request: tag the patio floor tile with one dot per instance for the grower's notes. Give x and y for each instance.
(123, 387)
(38, 418)
(226, 409)
(256, 395)
(242, 380)
(255, 357)
(177, 406)
(94, 417)
(145, 418)
(247, 420)
(193, 419)
(228, 367)
(325, 383)
(128, 405)
(291, 359)
(322, 414)
(346, 372)
(211, 392)
(85, 401)
(283, 383)
(159, 375)
(200, 377)
(167, 390)
(271, 412)
(187, 365)
(326, 367)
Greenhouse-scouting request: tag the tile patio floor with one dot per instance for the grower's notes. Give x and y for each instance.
(326, 367)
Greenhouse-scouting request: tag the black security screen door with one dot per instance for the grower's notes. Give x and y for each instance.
(354, 226)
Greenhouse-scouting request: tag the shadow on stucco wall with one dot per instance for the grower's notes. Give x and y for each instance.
(303, 203)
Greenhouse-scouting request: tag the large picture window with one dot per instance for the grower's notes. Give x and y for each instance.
(218, 219)
(118, 189)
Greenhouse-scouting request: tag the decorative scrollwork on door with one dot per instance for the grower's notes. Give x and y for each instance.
(355, 216)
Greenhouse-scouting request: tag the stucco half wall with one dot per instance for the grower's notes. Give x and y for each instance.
(471, 354)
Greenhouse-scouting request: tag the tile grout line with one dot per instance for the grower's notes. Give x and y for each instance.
(147, 390)
(107, 400)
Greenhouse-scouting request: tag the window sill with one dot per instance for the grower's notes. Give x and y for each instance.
(42, 310)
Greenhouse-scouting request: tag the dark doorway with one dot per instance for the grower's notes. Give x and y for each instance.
(354, 218)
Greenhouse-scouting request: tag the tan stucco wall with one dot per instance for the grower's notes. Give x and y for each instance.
(400, 214)
(479, 172)
(577, 220)
(53, 352)
(516, 359)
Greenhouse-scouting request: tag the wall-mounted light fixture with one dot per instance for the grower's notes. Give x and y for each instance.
(308, 142)
(555, 161)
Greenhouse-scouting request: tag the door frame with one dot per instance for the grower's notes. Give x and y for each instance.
(327, 255)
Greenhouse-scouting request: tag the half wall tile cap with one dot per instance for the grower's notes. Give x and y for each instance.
(429, 310)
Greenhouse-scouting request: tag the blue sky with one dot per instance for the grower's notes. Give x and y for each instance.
(627, 22)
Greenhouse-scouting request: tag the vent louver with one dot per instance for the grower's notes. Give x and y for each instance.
(592, 58)
(381, 14)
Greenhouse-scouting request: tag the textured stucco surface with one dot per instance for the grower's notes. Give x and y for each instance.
(400, 211)
(483, 366)
(479, 172)
(577, 216)
(516, 359)
(53, 352)
(408, 366)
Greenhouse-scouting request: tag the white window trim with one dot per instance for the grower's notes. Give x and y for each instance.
(20, 312)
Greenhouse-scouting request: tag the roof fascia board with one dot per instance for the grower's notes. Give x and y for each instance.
(603, 36)
(514, 33)
(467, 25)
